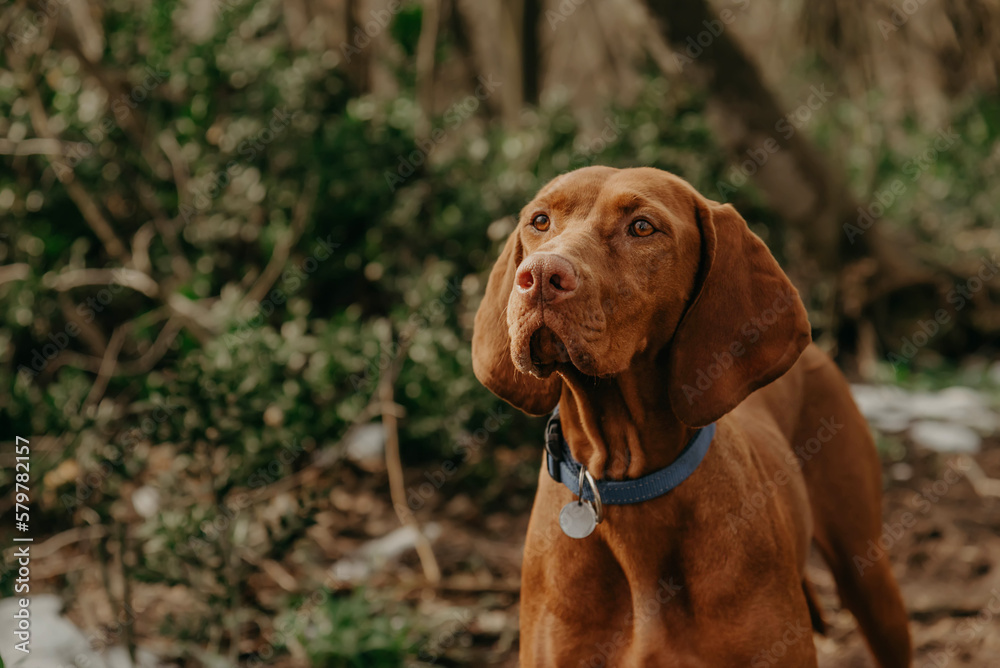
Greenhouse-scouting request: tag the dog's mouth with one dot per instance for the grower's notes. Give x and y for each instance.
(547, 351)
(543, 344)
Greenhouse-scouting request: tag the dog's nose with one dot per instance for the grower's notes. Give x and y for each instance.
(553, 276)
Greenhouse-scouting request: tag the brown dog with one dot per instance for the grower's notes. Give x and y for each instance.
(646, 312)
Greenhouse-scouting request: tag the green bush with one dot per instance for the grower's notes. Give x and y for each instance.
(391, 239)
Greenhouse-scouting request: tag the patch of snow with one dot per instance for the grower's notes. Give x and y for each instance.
(377, 553)
(949, 420)
(56, 642)
(945, 436)
(366, 442)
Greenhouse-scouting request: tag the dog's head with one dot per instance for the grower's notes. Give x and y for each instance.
(609, 268)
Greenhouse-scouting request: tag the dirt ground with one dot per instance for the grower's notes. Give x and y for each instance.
(946, 563)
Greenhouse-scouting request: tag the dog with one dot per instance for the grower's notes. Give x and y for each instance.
(701, 444)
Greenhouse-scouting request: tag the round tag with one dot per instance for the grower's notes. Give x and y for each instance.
(577, 520)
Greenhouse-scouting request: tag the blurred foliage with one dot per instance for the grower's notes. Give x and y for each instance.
(355, 632)
(947, 204)
(176, 452)
(399, 240)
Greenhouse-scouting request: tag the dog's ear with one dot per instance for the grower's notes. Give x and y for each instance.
(745, 324)
(491, 342)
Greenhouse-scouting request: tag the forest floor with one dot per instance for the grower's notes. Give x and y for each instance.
(947, 563)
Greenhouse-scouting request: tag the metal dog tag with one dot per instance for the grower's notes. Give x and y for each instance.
(578, 519)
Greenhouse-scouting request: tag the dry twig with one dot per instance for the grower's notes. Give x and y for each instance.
(18, 271)
(141, 240)
(395, 466)
(129, 278)
(426, 45)
(107, 367)
(983, 485)
(278, 259)
(84, 202)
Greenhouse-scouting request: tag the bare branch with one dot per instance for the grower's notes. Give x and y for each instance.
(73, 359)
(278, 259)
(89, 32)
(426, 46)
(168, 142)
(88, 208)
(107, 368)
(60, 541)
(200, 321)
(14, 272)
(142, 364)
(91, 334)
(397, 483)
(129, 278)
(39, 146)
(140, 248)
(168, 230)
(151, 357)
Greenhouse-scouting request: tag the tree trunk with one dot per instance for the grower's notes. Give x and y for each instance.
(531, 13)
(357, 65)
(815, 203)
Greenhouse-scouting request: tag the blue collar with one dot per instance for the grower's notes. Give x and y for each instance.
(563, 468)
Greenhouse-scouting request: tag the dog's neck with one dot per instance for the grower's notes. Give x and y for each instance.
(616, 428)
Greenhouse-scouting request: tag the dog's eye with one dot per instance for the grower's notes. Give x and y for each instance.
(641, 228)
(541, 222)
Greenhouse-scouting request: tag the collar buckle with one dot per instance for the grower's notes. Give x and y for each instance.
(598, 504)
(554, 445)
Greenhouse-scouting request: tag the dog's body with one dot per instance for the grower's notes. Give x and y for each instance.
(712, 574)
(646, 312)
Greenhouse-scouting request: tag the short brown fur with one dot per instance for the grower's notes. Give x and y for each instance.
(630, 334)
